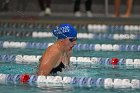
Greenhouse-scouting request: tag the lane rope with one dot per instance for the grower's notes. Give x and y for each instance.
(87, 61)
(96, 28)
(78, 47)
(51, 81)
(79, 35)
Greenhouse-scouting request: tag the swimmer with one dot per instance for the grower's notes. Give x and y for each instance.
(57, 56)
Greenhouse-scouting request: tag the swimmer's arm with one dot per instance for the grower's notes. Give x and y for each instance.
(47, 63)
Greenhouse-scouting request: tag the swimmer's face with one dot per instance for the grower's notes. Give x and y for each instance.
(70, 43)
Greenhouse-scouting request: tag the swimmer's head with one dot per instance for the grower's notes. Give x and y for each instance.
(65, 31)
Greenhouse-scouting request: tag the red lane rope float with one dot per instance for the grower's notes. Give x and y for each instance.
(114, 61)
(24, 78)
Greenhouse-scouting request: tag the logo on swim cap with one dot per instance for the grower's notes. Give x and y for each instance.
(64, 30)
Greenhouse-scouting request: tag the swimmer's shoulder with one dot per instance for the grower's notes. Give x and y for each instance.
(53, 49)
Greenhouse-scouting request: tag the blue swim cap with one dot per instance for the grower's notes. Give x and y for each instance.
(64, 30)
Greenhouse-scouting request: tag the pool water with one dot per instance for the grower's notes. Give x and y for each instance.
(79, 71)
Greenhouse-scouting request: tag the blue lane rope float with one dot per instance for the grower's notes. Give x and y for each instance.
(59, 81)
(80, 35)
(76, 61)
(78, 47)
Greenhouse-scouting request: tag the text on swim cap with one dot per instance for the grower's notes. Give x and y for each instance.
(62, 30)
